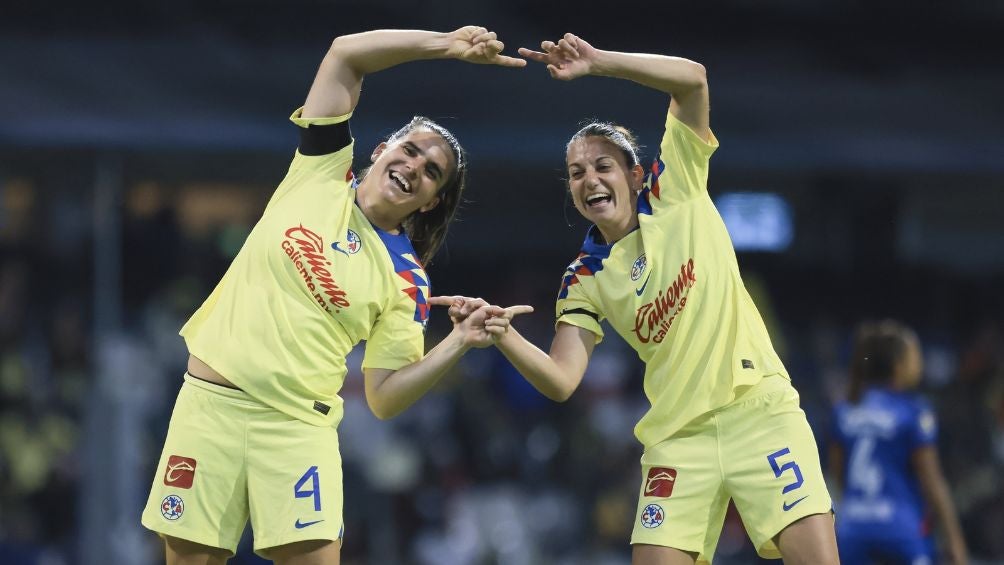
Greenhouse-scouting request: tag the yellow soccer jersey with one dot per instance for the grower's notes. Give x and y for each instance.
(672, 289)
(313, 279)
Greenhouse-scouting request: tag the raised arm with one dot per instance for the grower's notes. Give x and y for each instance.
(684, 80)
(339, 79)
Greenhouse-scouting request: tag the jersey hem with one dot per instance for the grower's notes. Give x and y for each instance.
(262, 546)
(192, 536)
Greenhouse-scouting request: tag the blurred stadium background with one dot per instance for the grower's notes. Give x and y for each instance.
(861, 174)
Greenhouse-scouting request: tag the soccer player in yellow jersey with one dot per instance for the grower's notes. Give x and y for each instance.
(334, 260)
(659, 266)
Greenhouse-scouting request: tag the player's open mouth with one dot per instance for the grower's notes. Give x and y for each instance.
(402, 183)
(595, 200)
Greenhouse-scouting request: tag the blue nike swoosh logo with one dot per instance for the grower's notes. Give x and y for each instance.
(336, 248)
(642, 289)
(788, 507)
(302, 525)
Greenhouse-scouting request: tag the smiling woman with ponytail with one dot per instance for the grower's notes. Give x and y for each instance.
(334, 260)
(658, 265)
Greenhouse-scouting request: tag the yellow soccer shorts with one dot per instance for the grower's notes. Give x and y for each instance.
(758, 451)
(228, 458)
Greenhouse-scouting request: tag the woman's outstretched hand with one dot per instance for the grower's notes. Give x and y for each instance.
(477, 45)
(483, 324)
(568, 59)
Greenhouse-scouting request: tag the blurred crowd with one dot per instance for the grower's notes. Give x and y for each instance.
(484, 470)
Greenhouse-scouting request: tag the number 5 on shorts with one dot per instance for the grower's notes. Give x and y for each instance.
(778, 471)
(315, 487)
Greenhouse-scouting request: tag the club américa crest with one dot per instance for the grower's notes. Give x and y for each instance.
(638, 267)
(652, 516)
(172, 507)
(352, 242)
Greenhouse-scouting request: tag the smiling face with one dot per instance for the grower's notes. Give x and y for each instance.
(603, 185)
(406, 177)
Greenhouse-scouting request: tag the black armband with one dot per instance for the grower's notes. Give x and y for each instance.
(592, 315)
(316, 140)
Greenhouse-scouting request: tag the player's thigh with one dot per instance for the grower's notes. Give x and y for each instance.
(644, 554)
(183, 552)
(294, 482)
(682, 501)
(199, 489)
(772, 468)
(311, 552)
(809, 541)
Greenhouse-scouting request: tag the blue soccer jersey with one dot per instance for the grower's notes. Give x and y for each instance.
(882, 510)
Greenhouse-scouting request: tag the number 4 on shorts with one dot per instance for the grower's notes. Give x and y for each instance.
(315, 487)
(779, 470)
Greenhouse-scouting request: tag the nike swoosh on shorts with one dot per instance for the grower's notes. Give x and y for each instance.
(786, 507)
(300, 525)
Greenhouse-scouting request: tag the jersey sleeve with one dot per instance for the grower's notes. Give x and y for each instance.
(325, 148)
(574, 305)
(398, 337)
(680, 172)
(923, 426)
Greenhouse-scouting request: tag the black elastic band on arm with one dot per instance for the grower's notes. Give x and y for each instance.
(318, 140)
(592, 315)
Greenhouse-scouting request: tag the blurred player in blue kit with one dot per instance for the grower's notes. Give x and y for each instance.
(884, 457)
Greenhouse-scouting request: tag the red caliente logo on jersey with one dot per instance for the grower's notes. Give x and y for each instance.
(180, 472)
(653, 320)
(306, 250)
(660, 481)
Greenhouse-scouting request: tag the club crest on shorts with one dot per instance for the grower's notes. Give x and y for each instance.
(638, 267)
(180, 472)
(660, 481)
(172, 507)
(352, 242)
(652, 516)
